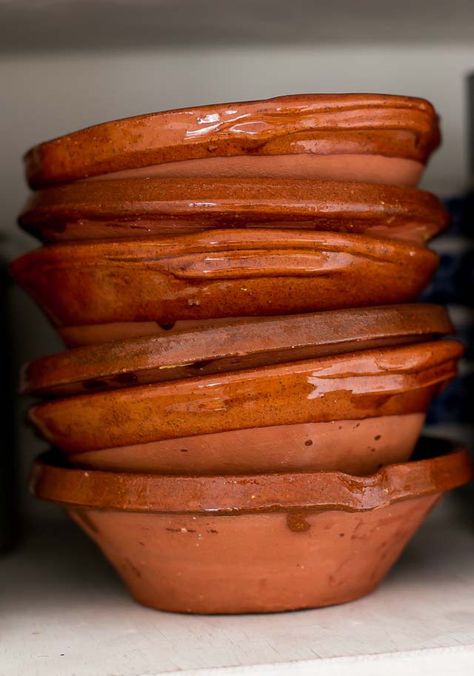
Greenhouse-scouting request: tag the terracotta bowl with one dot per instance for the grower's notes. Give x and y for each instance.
(220, 273)
(359, 447)
(286, 416)
(129, 208)
(356, 446)
(259, 543)
(94, 335)
(347, 137)
(230, 345)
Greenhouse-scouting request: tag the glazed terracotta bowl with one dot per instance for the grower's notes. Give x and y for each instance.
(347, 137)
(259, 543)
(357, 446)
(284, 416)
(230, 345)
(129, 208)
(220, 273)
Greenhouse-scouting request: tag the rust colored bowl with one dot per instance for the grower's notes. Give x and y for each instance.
(354, 386)
(362, 137)
(174, 206)
(220, 273)
(358, 447)
(208, 544)
(229, 346)
(355, 446)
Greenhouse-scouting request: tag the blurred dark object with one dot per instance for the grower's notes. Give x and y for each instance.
(455, 404)
(470, 128)
(9, 498)
(461, 210)
(453, 285)
(454, 281)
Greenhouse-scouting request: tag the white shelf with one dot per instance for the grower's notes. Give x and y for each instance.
(65, 612)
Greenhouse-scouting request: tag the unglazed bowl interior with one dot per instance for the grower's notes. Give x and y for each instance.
(358, 447)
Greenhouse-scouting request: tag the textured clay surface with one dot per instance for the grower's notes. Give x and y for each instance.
(252, 563)
(354, 446)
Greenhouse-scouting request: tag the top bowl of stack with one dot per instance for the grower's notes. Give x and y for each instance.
(365, 137)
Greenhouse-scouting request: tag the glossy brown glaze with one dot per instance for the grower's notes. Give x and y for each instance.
(311, 125)
(170, 206)
(207, 544)
(386, 381)
(220, 274)
(230, 346)
(354, 446)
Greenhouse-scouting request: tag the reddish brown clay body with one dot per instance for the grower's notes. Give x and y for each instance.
(173, 206)
(231, 345)
(220, 274)
(379, 382)
(366, 137)
(208, 545)
(356, 446)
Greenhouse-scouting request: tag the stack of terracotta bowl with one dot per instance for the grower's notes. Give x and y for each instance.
(247, 375)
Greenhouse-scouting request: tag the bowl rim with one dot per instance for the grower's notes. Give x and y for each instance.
(216, 130)
(307, 203)
(444, 465)
(236, 239)
(200, 349)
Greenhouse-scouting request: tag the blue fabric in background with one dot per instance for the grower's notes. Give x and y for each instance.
(453, 285)
(453, 282)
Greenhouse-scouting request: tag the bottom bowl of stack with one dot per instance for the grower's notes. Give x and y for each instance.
(258, 543)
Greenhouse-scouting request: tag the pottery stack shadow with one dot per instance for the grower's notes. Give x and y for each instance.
(247, 371)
